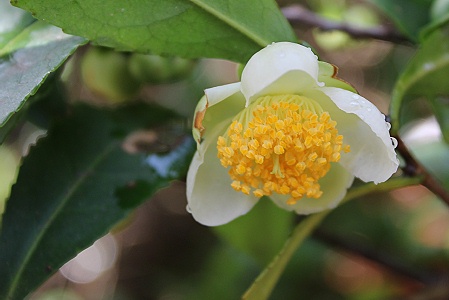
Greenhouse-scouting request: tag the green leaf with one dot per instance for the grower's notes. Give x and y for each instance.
(72, 188)
(410, 16)
(432, 156)
(234, 268)
(229, 29)
(439, 15)
(29, 51)
(265, 283)
(261, 232)
(12, 22)
(440, 107)
(425, 76)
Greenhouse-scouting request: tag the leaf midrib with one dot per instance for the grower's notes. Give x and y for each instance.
(108, 149)
(245, 31)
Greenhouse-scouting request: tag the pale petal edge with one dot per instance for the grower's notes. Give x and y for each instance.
(328, 75)
(372, 156)
(211, 199)
(219, 93)
(268, 66)
(218, 104)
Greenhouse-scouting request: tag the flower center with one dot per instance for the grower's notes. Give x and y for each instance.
(282, 144)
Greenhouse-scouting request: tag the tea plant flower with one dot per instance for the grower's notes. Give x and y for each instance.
(289, 130)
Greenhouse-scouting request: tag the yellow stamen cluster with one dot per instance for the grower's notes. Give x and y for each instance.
(280, 144)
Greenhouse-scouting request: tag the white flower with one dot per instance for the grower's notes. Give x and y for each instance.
(289, 130)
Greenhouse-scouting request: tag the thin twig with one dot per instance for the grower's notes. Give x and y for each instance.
(298, 15)
(414, 168)
(393, 264)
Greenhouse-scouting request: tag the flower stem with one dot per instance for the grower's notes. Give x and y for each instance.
(266, 281)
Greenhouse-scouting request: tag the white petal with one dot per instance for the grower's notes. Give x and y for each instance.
(211, 199)
(334, 186)
(363, 126)
(220, 103)
(280, 68)
(219, 93)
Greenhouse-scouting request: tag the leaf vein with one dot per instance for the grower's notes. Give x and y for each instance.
(65, 198)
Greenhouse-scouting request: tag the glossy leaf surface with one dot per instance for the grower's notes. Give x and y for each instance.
(425, 76)
(29, 51)
(75, 184)
(410, 16)
(226, 29)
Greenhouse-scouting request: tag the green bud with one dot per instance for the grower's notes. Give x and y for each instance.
(154, 69)
(105, 72)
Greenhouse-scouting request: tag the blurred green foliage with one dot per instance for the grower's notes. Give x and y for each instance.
(117, 131)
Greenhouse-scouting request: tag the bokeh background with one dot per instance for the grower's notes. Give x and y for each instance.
(386, 246)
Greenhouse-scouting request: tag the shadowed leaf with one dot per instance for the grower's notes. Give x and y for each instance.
(72, 189)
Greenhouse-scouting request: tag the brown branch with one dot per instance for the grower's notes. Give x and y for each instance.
(298, 15)
(415, 169)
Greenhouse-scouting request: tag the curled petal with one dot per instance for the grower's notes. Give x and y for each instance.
(198, 119)
(280, 68)
(211, 199)
(328, 75)
(219, 93)
(219, 104)
(333, 186)
(363, 126)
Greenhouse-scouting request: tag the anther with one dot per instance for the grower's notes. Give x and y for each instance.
(283, 145)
